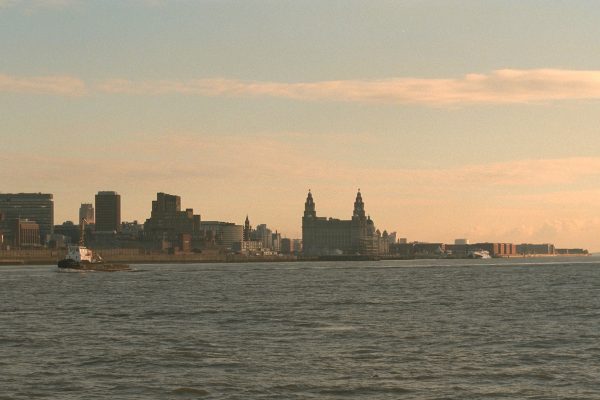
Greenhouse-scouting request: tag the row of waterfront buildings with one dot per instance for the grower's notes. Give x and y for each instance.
(358, 235)
(27, 221)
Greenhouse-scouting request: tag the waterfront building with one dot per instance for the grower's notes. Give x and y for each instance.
(252, 242)
(86, 211)
(247, 247)
(247, 230)
(108, 212)
(286, 246)
(25, 233)
(58, 241)
(402, 248)
(297, 246)
(226, 233)
(535, 249)
(577, 252)
(68, 229)
(392, 238)
(421, 249)
(497, 249)
(131, 231)
(494, 249)
(276, 242)
(291, 246)
(167, 222)
(264, 235)
(34, 207)
(330, 236)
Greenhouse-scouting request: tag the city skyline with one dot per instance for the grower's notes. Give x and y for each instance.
(470, 119)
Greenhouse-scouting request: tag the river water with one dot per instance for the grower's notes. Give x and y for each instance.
(481, 329)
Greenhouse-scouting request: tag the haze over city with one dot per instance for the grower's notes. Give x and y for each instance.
(484, 127)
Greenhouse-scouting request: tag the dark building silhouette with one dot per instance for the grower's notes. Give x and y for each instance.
(358, 235)
(247, 230)
(25, 233)
(535, 249)
(86, 211)
(69, 230)
(36, 207)
(167, 223)
(108, 212)
(226, 234)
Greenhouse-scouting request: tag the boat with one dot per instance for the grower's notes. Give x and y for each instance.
(81, 258)
(480, 254)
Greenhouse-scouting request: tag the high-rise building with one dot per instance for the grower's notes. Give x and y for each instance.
(86, 211)
(36, 207)
(108, 212)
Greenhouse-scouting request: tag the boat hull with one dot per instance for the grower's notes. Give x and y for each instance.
(84, 266)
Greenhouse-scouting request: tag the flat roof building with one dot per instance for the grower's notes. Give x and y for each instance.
(108, 211)
(25, 233)
(228, 232)
(36, 207)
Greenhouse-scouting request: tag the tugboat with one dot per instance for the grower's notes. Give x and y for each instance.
(81, 258)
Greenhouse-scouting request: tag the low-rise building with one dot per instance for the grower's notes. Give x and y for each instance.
(527, 249)
(226, 233)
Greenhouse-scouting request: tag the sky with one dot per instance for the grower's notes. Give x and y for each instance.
(456, 119)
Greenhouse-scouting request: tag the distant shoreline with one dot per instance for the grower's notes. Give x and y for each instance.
(238, 259)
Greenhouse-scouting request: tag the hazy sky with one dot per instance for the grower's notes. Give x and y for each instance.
(475, 119)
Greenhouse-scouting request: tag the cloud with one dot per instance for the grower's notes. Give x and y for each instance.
(56, 85)
(498, 87)
(508, 86)
(531, 173)
(31, 5)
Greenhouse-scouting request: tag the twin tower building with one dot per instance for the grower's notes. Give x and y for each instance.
(330, 236)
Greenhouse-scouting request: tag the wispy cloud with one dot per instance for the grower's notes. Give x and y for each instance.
(57, 85)
(508, 86)
(498, 87)
(31, 5)
(530, 173)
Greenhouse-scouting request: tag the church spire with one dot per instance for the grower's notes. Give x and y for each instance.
(309, 206)
(359, 206)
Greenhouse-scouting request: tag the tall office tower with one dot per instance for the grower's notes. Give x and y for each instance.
(37, 207)
(108, 212)
(86, 211)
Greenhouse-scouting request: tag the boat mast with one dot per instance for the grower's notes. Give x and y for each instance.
(82, 231)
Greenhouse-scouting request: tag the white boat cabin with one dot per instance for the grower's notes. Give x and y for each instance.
(80, 254)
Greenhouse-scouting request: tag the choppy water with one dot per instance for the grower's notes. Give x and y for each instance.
(386, 330)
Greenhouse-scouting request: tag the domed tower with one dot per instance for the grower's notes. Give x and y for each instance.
(309, 206)
(359, 206)
(309, 227)
(359, 226)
